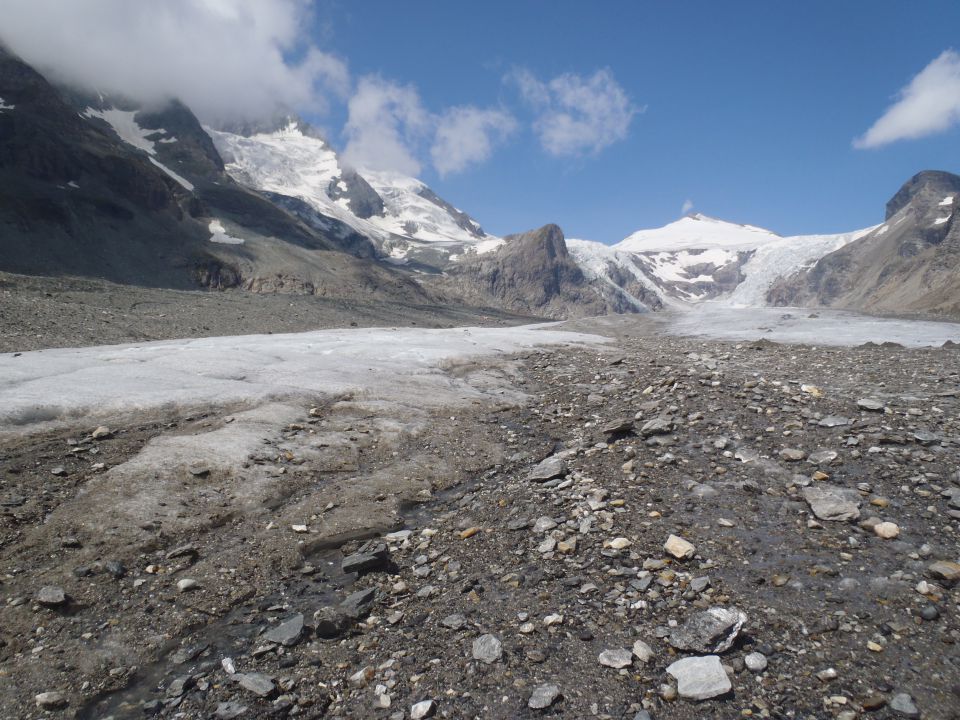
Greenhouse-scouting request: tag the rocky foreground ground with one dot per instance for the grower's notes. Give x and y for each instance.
(665, 528)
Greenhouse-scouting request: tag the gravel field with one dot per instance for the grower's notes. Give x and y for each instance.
(658, 527)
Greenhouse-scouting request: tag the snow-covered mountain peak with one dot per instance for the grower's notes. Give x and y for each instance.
(697, 232)
(414, 210)
(293, 160)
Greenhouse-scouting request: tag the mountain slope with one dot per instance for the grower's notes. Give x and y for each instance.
(73, 199)
(531, 272)
(399, 214)
(699, 258)
(910, 264)
(617, 276)
(100, 187)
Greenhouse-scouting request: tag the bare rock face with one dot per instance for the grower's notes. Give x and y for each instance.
(907, 265)
(363, 200)
(928, 187)
(531, 273)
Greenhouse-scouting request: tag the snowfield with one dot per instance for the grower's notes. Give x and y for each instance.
(697, 232)
(783, 257)
(404, 204)
(291, 163)
(802, 325)
(399, 366)
(595, 258)
(672, 258)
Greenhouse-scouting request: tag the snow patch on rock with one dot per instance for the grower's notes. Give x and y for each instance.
(220, 235)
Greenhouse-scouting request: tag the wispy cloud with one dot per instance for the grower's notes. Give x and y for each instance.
(686, 207)
(385, 126)
(388, 128)
(929, 104)
(224, 58)
(467, 135)
(577, 115)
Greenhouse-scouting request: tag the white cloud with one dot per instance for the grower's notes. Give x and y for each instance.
(467, 135)
(389, 129)
(385, 126)
(224, 58)
(929, 104)
(686, 207)
(576, 114)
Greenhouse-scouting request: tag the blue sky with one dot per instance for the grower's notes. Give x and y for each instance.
(748, 109)
(603, 117)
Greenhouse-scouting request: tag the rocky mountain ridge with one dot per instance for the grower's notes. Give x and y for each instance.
(100, 186)
(910, 264)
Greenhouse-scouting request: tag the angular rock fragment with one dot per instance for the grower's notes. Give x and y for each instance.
(679, 548)
(700, 678)
(51, 700)
(945, 571)
(423, 709)
(821, 457)
(656, 426)
(711, 631)
(543, 697)
(552, 467)
(832, 421)
(902, 704)
(620, 426)
(51, 596)
(487, 649)
(357, 604)
(229, 710)
(257, 683)
(331, 622)
(286, 633)
(643, 651)
(616, 658)
(370, 557)
(833, 503)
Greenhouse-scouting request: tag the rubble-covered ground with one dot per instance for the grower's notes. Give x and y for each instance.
(45, 312)
(662, 527)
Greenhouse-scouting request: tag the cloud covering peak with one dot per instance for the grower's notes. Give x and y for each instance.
(223, 58)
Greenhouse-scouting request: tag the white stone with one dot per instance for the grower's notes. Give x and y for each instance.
(423, 709)
(643, 651)
(886, 530)
(756, 662)
(616, 658)
(679, 548)
(700, 678)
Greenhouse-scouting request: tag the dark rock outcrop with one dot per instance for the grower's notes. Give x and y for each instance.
(909, 265)
(73, 199)
(531, 273)
(362, 199)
